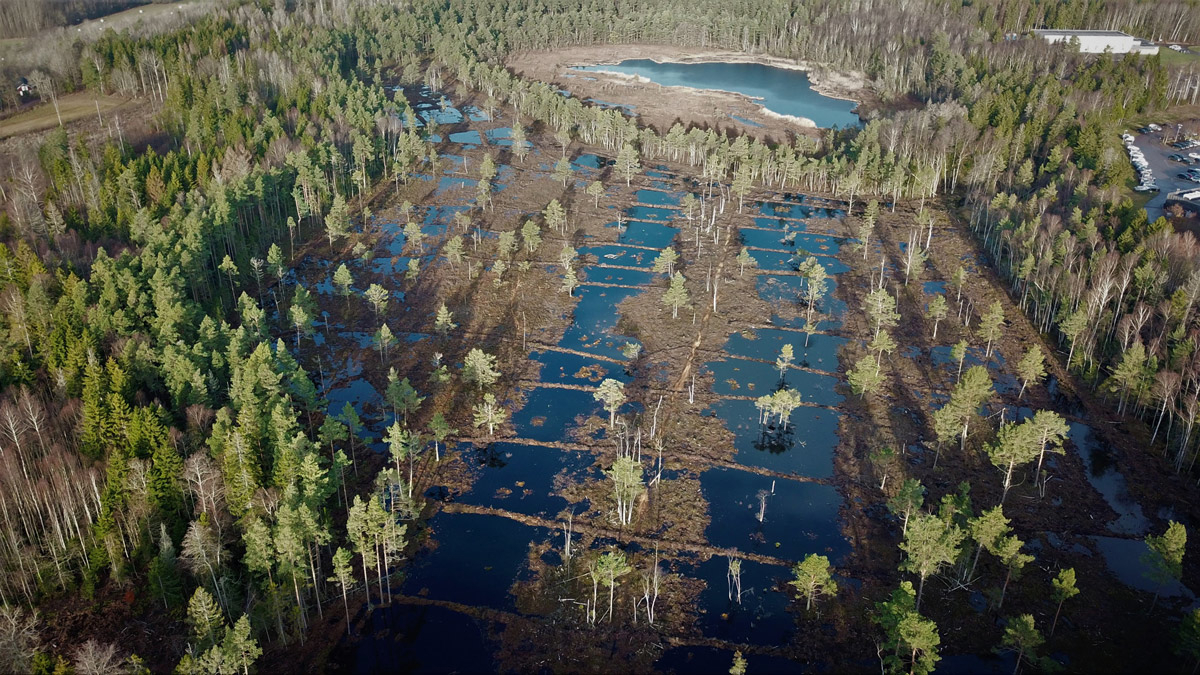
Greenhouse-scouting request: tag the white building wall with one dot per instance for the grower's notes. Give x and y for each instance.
(1096, 44)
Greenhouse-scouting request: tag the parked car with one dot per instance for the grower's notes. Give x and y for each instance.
(1146, 188)
(1194, 155)
(1179, 158)
(1175, 48)
(1153, 127)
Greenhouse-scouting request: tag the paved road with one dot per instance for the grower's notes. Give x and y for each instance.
(1165, 170)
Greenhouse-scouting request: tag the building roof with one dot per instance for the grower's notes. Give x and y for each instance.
(1081, 33)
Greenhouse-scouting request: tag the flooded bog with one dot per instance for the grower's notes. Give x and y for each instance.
(805, 448)
(800, 518)
(471, 559)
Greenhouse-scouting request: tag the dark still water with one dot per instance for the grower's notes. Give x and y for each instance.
(780, 90)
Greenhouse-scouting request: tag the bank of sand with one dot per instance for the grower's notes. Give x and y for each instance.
(662, 106)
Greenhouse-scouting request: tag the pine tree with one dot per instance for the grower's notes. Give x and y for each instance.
(595, 190)
(342, 279)
(865, 377)
(881, 310)
(936, 312)
(1031, 368)
(562, 171)
(479, 368)
(866, 225)
(1164, 559)
(163, 573)
(205, 618)
(739, 664)
(1014, 446)
(908, 500)
(555, 215)
(378, 297)
(489, 412)
(628, 485)
(343, 576)
(444, 322)
(570, 281)
(1022, 637)
(929, 544)
(1009, 552)
(612, 394)
(813, 578)
(787, 354)
(439, 429)
(991, 326)
(1188, 643)
(665, 262)
(676, 295)
(531, 234)
(744, 260)
(240, 646)
(337, 221)
(454, 249)
(1064, 589)
(627, 163)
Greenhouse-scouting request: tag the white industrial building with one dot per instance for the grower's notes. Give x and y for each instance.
(1097, 41)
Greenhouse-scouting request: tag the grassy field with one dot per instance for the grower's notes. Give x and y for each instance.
(72, 107)
(1171, 57)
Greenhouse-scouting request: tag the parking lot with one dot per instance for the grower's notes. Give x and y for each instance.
(1156, 151)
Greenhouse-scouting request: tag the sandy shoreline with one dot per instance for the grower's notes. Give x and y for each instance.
(665, 105)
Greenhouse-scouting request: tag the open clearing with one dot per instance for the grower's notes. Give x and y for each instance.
(72, 107)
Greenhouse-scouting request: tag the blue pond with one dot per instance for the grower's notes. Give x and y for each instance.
(804, 448)
(595, 317)
(563, 368)
(760, 618)
(475, 561)
(654, 235)
(742, 377)
(801, 518)
(820, 354)
(521, 477)
(549, 413)
(416, 639)
(786, 92)
(614, 254)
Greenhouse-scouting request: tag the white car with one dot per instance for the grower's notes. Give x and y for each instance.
(1194, 155)
(1153, 127)
(1176, 48)
(1146, 187)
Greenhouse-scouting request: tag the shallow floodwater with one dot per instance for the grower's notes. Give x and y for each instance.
(475, 559)
(780, 90)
